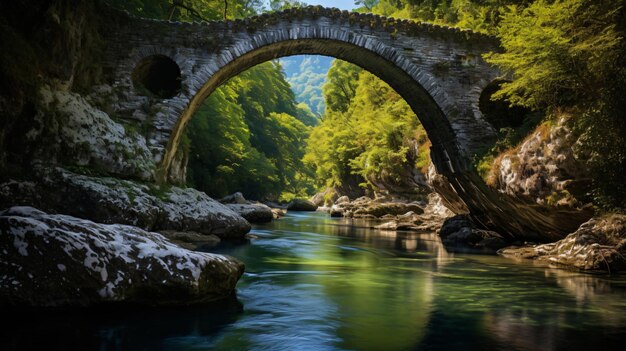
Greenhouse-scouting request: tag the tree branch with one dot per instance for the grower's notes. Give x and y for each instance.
(179, 3)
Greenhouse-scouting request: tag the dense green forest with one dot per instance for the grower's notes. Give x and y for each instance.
(564, 56)
(247, 137)
(367, 131)
(568, 57)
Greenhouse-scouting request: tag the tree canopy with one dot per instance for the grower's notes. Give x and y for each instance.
(367, 130)
(247, 137)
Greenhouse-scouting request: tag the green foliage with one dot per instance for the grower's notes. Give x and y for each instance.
(366, 131)
(305, 115)
(559, 52)
(189, 10)
(478, 15)
(342, 78)
(307, 75)
(245, 138)
(569, 54)
(368, 4)
(277, 5)
(604, 128)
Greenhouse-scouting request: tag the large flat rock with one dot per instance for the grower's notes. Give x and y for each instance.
(112, 200)
(58, 260)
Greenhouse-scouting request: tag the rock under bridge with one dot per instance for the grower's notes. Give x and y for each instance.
(162, 71)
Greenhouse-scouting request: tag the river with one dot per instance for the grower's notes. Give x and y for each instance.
(319, 283)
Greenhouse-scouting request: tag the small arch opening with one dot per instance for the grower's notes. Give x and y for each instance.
(498, 112)
(157, 75)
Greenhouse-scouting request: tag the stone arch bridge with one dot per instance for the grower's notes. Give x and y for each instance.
(439, 71)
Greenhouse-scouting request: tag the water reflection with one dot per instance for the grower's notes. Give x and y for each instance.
(398, 291)
(113, 327)
(316, 283)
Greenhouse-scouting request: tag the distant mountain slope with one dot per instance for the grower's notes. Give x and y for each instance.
(307, 74)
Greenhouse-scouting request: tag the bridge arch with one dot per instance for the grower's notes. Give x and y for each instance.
(419, 88)
(439, 71)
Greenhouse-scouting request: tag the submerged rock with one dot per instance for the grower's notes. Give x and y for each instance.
(58, 260)
(459, 232)
(253, 213)
(301, 205)
(111, 200)
(598, 245)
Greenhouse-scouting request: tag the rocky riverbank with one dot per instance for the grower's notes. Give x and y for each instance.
(396, 214)
(253, 212)
(111, 200)
(598, 245)
(93, 240)
(257, 212)
(59, 260)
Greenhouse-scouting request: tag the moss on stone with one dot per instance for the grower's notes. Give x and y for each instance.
(161, 191)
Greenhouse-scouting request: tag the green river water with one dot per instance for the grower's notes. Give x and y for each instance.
(316, 283)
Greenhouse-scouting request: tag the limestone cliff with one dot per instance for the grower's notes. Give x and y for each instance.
(548, 166)
(78, 134)
(52, 42)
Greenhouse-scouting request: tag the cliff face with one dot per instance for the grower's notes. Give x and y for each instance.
(548, 166)
(49, 48)
(55, 101)
(78, 134)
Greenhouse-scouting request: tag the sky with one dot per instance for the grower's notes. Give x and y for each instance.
(340, 4)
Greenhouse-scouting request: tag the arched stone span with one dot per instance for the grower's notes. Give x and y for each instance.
(430, 104)
(438, 71)
(445, 63)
